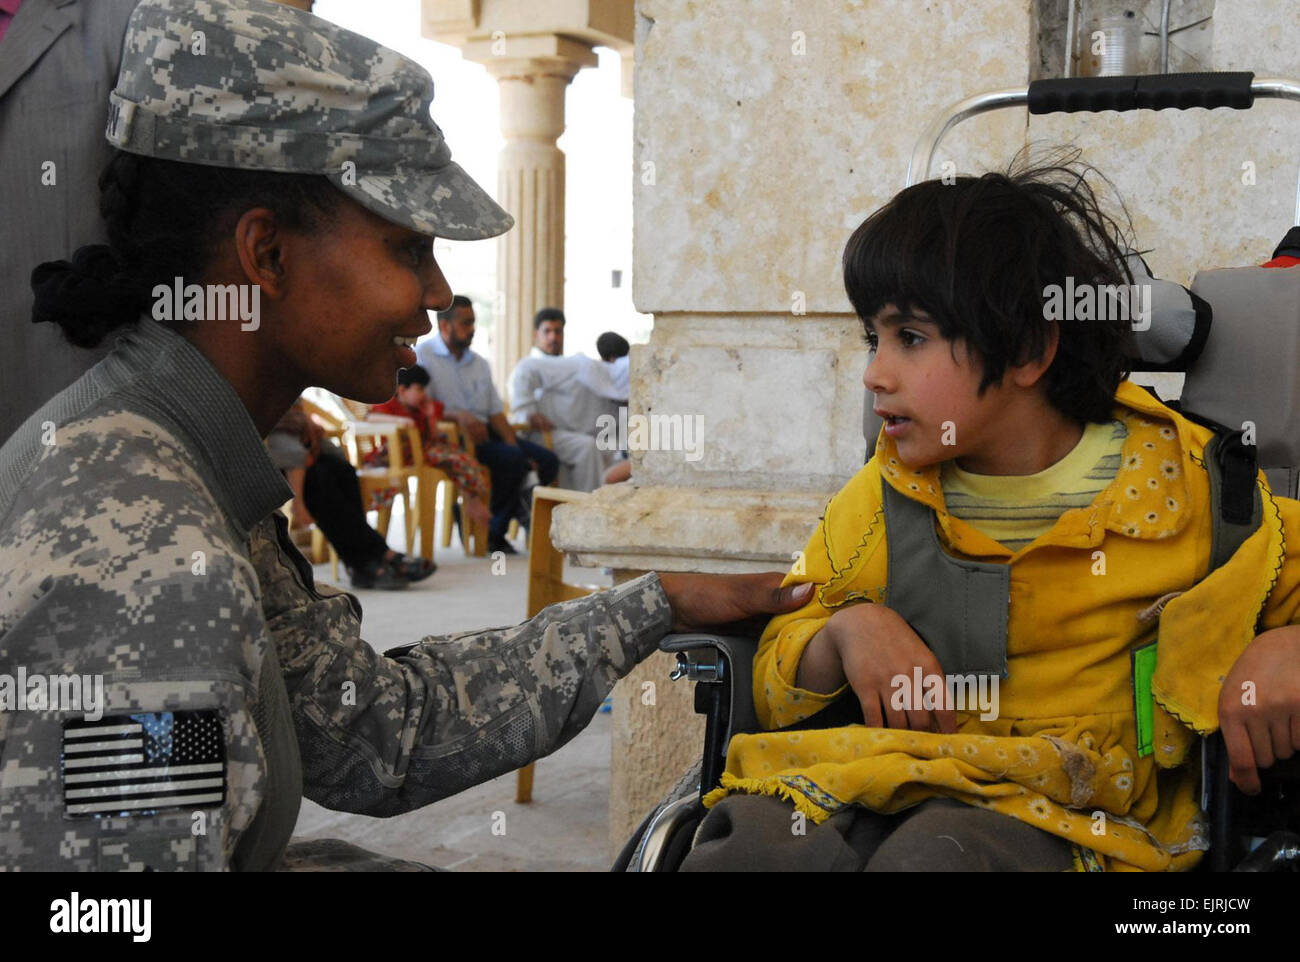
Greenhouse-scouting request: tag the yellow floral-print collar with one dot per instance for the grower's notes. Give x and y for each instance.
(1147, 499)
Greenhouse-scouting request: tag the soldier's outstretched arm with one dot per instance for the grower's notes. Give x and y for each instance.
(382, 734)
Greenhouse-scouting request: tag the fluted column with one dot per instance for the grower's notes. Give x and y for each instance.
(533, 49)
(530, 184)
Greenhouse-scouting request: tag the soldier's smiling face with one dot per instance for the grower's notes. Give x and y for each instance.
(352, 291)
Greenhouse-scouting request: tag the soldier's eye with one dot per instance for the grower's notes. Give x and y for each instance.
(417, 251)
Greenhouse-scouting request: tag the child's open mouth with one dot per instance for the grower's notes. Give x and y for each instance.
(895, 425)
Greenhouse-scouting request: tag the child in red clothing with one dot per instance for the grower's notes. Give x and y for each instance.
(411, 401)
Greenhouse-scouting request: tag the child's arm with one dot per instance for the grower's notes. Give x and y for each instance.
(807, 658)
(869, 645)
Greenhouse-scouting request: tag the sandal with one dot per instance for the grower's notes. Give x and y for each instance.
(413, 569)
(382, 575)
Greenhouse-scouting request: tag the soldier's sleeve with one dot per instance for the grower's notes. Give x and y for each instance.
(121, 588)
(382, 734)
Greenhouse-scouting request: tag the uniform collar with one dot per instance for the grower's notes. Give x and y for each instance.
(1148, 499)
(177, 379)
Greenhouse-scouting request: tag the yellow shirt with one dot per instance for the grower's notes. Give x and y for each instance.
(1015, 509)
(1062, 754)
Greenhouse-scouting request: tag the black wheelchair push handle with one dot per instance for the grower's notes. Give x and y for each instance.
(1173, 91)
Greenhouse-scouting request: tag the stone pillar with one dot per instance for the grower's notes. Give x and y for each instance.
(530, 184)
(533, 50)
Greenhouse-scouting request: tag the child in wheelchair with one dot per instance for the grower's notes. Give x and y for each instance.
(1032, 526)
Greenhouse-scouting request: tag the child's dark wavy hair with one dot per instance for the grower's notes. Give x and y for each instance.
(164, 220)
(976, 255)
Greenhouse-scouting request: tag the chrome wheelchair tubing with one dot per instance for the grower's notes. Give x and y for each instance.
(665, 825)
(1279, 852)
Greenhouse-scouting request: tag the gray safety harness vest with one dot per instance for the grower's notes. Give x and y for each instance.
(960, 607)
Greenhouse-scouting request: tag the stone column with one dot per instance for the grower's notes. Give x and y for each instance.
(533, 50)
(530, 184)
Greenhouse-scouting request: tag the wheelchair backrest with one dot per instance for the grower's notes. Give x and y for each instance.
(1249, 372)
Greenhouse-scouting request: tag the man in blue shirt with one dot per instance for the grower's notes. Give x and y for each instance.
(462, 381)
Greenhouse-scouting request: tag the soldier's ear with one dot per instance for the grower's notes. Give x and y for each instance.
(259, 244)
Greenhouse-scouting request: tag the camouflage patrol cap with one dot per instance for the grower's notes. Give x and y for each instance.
(263, 86)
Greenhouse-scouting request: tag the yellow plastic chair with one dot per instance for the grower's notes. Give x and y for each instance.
(451, 494)
(546, 584)
(360, 436)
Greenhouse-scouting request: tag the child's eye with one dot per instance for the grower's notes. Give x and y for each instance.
(910, 338)
(871, 341)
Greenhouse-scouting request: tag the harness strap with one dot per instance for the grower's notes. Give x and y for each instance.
(958, 607)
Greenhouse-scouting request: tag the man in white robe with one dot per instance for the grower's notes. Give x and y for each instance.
(566, 396)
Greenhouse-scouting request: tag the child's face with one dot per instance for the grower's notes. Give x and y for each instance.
(412, 395)
(926, 387)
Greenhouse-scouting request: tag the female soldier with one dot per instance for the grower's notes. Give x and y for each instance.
(270, 214)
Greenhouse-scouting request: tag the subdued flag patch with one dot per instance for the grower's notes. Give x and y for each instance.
(138, 764)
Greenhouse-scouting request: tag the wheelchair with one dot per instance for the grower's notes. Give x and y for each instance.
(1246, 367)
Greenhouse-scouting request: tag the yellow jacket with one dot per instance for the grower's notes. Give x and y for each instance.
(1062, 754)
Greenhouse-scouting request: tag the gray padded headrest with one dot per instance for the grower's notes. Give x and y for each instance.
(1179, 322)
(1250, 368)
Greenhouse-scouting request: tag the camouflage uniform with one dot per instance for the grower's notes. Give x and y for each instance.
(139, 538)
(155, 459)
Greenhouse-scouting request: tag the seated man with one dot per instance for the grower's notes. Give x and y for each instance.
(613, 349)
(550, 392)
(462, 381)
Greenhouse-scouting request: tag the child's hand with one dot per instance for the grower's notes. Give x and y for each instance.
(1259, 706)
(868, 645)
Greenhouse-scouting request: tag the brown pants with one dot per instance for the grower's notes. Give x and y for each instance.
(758, 833)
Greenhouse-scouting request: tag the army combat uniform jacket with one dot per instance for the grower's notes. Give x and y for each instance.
(139, 543)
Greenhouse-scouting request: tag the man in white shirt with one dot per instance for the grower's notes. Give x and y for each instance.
(565, 396)
(462, 380)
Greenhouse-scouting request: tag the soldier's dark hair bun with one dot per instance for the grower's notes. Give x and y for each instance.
(164, 220)
(87, 296)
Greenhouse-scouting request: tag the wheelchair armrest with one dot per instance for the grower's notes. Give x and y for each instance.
(1272, 815)
(723, 668)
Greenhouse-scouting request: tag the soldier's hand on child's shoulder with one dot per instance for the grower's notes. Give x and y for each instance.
(1259, 706)
(873, 645)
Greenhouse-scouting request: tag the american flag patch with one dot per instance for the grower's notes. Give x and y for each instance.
(138, 764)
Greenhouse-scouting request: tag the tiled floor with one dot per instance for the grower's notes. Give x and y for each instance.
(565, 827)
